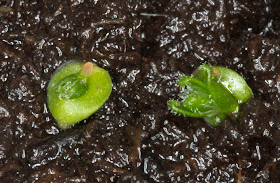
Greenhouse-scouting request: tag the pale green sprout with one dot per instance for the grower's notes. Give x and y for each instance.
(212, 93)
(76, 91)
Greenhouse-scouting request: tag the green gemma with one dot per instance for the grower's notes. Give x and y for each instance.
(212, 93)
(76, 91)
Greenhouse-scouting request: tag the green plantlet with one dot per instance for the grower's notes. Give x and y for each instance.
(76, 91)
(212, 93)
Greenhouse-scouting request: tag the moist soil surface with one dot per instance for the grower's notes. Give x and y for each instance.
(145, 45)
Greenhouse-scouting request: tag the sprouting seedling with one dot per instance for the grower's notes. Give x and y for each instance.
(76, 91)
(212, 93)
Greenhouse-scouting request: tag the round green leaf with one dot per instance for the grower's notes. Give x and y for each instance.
(74, 95)
(233, 82)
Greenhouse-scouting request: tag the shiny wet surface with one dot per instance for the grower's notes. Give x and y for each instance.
(145, 46)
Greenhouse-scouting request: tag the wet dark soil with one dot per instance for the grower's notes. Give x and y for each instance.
(145, 45)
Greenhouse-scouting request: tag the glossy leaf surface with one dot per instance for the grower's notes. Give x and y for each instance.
(212, 93)
(74, 94)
